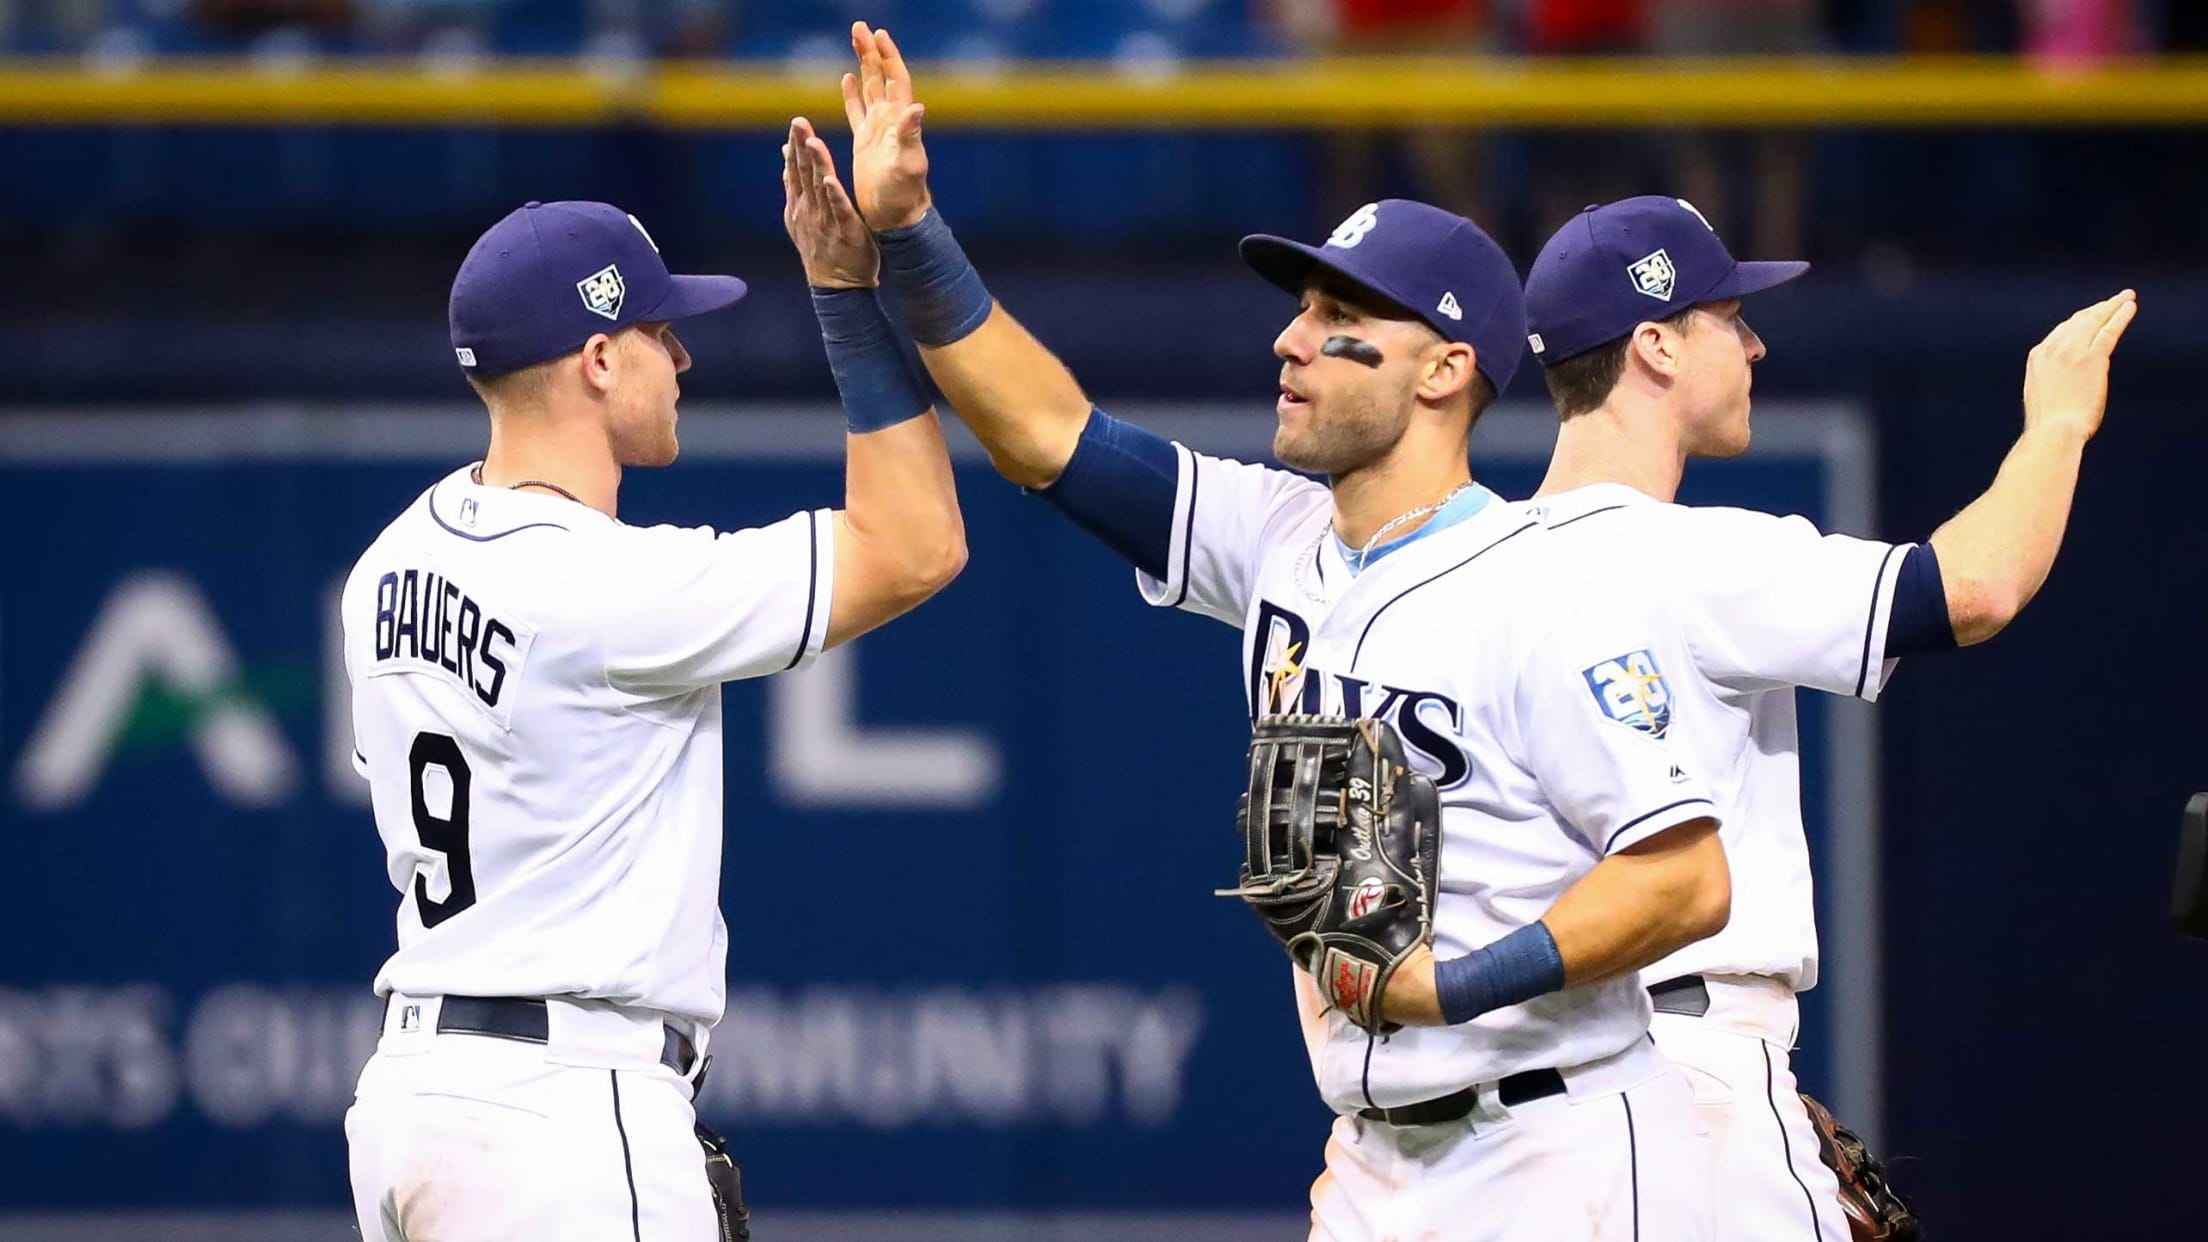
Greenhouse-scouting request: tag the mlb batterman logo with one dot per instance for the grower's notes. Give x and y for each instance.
(602, 291)
(1631, 691)
(1654, 275)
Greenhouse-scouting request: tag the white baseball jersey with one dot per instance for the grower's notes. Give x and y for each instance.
(1762, 604)
(537, 708)
(1538, 707)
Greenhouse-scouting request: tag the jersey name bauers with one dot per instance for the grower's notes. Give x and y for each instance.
(425, 618)
(1279, 683)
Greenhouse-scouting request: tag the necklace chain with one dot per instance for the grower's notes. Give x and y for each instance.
(477, 475)
(512, 487)
(1364, 554)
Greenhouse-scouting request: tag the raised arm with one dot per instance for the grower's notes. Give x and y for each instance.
(1996, 553)
(1017, 398)
(899, 537)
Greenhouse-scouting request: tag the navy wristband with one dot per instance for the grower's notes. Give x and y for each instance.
(877, 382)
(1511, 971)
(943, 296)
(1121, 486)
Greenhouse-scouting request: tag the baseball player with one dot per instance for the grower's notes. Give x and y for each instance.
(1521, 1097)
(537, 708)
(1634, 310)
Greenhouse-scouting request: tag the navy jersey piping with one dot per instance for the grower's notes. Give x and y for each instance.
(628, 1165)
(1375, 618)
(1786, 1144)
(1633, 1162)
(1637, 820)
(812, 589)
(1188, 528)
(1584, 516)
(450, 529)
(1870, 622)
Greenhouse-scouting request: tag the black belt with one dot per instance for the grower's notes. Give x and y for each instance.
(1688, 996)
(1515, 1090)
(525, 1019)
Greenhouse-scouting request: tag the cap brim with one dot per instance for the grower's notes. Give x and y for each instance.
(1747, 278)
(1289, 264)
(1284, 263)
(696, 295)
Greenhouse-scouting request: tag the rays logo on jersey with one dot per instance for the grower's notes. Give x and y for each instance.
(1630, 689)
(602, 291)
(1280, 679)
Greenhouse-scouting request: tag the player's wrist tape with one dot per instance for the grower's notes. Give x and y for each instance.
(1511, 971)
(872, 373)
(943, 295)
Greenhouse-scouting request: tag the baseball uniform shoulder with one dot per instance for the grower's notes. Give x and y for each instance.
(1613, 522)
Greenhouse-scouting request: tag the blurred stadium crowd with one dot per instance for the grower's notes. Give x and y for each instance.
(1146, 30)
(178, 244)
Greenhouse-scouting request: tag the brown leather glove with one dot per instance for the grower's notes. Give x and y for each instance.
(1875, 1212)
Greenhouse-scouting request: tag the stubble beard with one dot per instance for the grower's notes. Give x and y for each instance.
(647, 441)
(1354, 433)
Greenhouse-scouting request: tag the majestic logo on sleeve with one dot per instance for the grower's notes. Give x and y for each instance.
(1654, 275)
(1631, 690)
(602, 291)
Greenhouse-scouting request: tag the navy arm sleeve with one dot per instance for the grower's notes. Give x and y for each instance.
(1919, 622)
(1120, 486)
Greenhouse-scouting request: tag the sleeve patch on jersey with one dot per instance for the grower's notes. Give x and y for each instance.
(1630, 689)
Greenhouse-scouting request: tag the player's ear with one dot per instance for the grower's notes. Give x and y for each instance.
(1656, 347)
(1447, 370)
(601, 362)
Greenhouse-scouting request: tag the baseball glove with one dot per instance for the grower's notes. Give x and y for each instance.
(1343, 848)
(1875, 1212)
(726, 1181)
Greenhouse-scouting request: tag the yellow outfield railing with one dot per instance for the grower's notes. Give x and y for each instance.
(1239, 95)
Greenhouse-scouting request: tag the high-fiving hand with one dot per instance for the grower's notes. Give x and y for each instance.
(889, 164)
(2066, 377)
(832, 241)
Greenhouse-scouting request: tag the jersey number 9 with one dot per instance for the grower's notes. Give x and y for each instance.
(447, 834)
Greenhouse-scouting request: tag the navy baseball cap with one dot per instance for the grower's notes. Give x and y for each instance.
(1434, 264)
(550, 275)
(1619, 265)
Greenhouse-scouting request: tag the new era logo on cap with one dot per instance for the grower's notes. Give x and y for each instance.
(1449, 306)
